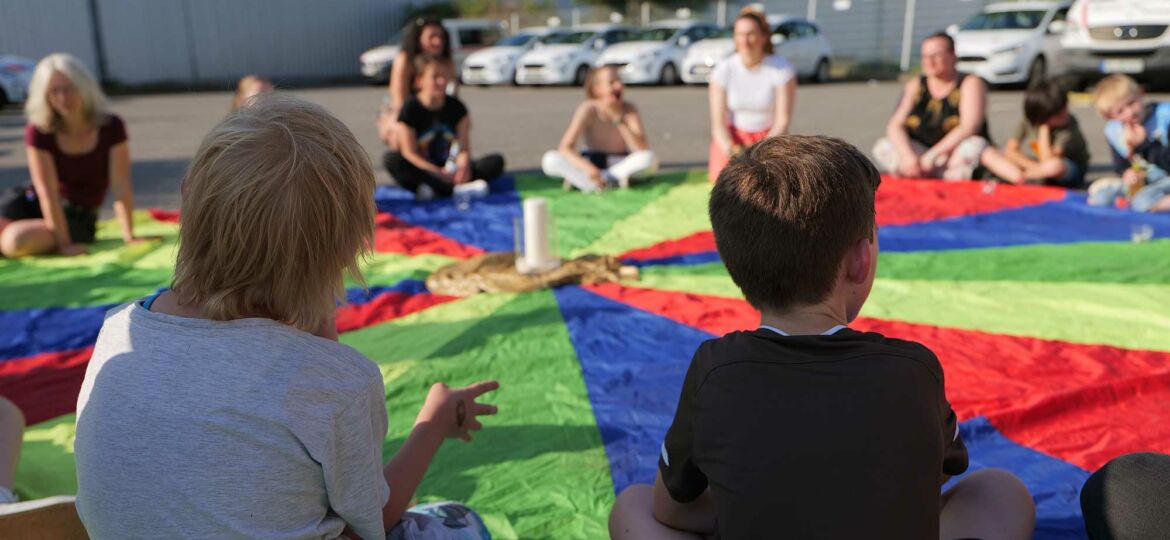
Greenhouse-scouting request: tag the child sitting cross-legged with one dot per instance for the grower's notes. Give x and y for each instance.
(225, 407)
(804, 427)
(434, 138)
(615, 139)
(1137, 134)
(1048, 145)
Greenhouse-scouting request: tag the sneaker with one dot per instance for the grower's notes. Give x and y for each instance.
(475, 189)
(424, 193)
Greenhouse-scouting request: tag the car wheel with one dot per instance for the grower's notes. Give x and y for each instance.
(821, 75)
(3, 99)
(669, 75)
(580, 75)
(1036, 72)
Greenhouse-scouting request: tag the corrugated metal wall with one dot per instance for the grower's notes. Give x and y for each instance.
(204, 41)
(36, 28)
(213, 40)
(871, 30)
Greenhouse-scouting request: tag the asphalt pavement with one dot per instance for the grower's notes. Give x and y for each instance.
(519, 122)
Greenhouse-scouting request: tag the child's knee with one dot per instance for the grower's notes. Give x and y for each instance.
(634, 504)
(11, 417)
(550, 163)
(998, 484)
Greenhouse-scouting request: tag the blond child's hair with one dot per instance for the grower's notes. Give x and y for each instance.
(243, 86)
(37, 108)
(277, 208)
(1114, 90)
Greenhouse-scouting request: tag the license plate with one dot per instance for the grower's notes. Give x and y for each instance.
(1123, 65)
(700, 70)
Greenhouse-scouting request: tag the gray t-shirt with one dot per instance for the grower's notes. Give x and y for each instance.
(190, 428)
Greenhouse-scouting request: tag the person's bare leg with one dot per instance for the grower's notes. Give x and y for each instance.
(1001, 166)
(27, 237)
(1048, 168)
(990, 504)
(632, 517)
(11, 436)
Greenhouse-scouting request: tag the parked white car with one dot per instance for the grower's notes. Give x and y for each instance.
(467, 36)
(795, 38)
(497, 64)
(1118, 37)
(566, 58)
(654, 54)
(15, 76)
(1012, 42)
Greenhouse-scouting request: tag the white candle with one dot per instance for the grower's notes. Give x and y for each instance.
(536, 233)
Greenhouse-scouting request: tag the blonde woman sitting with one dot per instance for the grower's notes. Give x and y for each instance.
(615, 139)
(77, 152)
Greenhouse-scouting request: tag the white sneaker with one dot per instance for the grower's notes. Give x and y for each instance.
(475, 189)
(424, 193)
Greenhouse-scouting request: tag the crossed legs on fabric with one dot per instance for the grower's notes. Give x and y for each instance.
(404, 172)
(1129, 497)
(1154, 197)
(988, 504)
(959, 165)
(623, 168)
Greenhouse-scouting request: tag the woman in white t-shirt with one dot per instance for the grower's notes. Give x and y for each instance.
(751, 92)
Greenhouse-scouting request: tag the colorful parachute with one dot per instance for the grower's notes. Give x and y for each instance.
(1052, 326)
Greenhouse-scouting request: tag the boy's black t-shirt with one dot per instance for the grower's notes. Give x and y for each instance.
(848, 435)
(436, 129)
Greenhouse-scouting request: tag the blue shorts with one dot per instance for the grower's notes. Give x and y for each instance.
(1073, 177)
(440, 521)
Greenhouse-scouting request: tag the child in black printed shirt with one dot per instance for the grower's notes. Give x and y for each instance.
(806, 428)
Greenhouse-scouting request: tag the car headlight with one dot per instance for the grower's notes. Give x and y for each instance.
(1007, 55)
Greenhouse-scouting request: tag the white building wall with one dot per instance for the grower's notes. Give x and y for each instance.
(36, 28)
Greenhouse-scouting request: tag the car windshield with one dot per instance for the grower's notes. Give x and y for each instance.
(1005, 20)
(654, 34)
(725, 33)
(518, 40)
(575, 37)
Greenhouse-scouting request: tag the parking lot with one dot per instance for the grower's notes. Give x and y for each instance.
(519, 122)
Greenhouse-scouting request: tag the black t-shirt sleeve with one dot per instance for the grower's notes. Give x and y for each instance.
(413, 114)
(453, 112)
(955, 459)
(676, 463)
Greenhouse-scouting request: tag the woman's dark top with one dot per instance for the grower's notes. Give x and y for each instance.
(83, 178)
(931, 119)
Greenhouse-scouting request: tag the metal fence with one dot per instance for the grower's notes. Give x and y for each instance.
(185, 42)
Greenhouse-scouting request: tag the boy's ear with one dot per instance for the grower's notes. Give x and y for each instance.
(859, 260)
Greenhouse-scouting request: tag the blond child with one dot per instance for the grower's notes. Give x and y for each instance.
(1137, 135)
(225, 407)
(615, 139)
(249, 86)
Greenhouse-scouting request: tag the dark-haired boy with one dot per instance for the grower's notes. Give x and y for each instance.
(805, 428)
(1048, 145)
